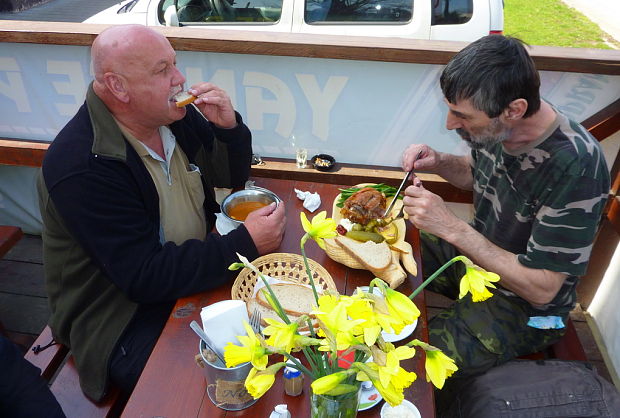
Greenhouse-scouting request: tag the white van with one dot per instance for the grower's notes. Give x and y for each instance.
(459, 20)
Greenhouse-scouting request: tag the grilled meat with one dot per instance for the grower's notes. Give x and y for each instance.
(364, 205)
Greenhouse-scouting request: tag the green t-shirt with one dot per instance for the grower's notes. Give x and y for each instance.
(544, 202)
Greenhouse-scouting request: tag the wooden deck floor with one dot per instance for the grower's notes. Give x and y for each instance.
(24, 310)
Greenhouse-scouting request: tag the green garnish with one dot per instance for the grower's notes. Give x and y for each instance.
(388, 191)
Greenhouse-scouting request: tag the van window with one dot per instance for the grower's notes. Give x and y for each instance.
(196, 12)
(451, 12)
(355, 11)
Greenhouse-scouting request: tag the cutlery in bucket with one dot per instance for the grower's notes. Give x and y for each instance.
(208, 343)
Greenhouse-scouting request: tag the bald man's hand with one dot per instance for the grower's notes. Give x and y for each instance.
(214, 104)
(266, 227)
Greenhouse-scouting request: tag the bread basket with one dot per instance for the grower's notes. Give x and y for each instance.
(281, 266)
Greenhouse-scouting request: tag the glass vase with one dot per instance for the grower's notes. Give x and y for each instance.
(341, 406)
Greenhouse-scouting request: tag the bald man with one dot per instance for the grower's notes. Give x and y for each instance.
(127, 200)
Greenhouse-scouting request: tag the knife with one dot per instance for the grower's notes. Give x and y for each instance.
(208, 343)
(400, 188)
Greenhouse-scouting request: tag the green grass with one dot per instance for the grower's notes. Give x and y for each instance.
(552, 23)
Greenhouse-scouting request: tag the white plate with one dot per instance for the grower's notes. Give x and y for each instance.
(406, 404)
(365, 401)
(406, 331)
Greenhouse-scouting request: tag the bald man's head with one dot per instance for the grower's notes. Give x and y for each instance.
(119, 48)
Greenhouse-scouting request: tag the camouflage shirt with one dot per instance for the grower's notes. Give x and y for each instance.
(544, 202)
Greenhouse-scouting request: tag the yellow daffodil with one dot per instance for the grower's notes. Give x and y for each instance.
(259, 381)
(282, 336)
(438, 366)
(251, 350)
(393, 391)
(320, 228)
(392, 369)
(475, 281)
(327, 383)
(400, 306)
(332, 314)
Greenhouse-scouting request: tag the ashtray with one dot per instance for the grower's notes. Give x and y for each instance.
(323, 162)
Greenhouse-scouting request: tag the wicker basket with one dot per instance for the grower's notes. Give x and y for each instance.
(281, 266)
(336, 253)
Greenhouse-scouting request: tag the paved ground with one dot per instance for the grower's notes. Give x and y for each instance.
(605, 13)
(61, 11)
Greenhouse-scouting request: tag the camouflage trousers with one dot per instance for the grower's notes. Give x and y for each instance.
(478, 335)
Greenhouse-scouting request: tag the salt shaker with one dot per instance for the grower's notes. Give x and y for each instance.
(293, 381)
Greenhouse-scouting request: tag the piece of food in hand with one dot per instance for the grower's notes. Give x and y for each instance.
(364, 205)
(184, 98)
(373, 256)
(294, 298)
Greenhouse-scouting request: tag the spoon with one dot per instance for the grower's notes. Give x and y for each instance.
(208, 343)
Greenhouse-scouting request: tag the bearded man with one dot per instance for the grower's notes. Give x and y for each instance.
(539, 182)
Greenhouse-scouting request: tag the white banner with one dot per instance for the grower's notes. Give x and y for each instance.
(359, 112)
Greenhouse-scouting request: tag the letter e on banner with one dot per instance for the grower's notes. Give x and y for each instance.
(14, 89)
(76, 86)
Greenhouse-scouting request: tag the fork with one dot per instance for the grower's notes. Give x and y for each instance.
(255, 320)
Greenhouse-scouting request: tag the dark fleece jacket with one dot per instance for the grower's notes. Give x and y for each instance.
(103, 255)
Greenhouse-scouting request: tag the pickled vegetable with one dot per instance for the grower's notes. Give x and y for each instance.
(388, 232)
(364, 236)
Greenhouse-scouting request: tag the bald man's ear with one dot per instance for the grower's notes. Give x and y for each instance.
(515, 110)
(116, 84)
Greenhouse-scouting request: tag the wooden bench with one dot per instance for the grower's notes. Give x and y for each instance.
(57, 365)
(9, 236)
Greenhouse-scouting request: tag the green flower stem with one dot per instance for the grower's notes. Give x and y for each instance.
(434, 275)
(279, 309)
(300, 366)
(308, 272)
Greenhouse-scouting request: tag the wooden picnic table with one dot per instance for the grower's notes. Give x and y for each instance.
(172, 384)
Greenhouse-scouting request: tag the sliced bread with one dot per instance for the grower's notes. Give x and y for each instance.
(374, 256)
(393, 274)
(295, 299)
(267, 312)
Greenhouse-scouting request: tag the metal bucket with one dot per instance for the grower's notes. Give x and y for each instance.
(225, 385)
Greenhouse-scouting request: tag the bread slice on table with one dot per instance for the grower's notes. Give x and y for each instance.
(294, 298)
(393, 274)
(267, 312)
(374, 256)
(406, 257)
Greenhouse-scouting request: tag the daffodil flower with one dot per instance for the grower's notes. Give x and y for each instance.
(282, 335)
(251, 350)
(399, 306)
(438, 366)
(393, 391)
(475, 281)
(319, 229)
(327, 383)
(260, 381)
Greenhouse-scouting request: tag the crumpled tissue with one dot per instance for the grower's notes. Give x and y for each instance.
(312, 201)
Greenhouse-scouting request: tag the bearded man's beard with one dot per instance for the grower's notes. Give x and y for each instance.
(493, 134)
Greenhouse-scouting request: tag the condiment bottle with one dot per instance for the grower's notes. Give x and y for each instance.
(280, 411)
(293, 381)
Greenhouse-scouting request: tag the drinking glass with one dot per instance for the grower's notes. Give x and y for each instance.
(301, 156)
